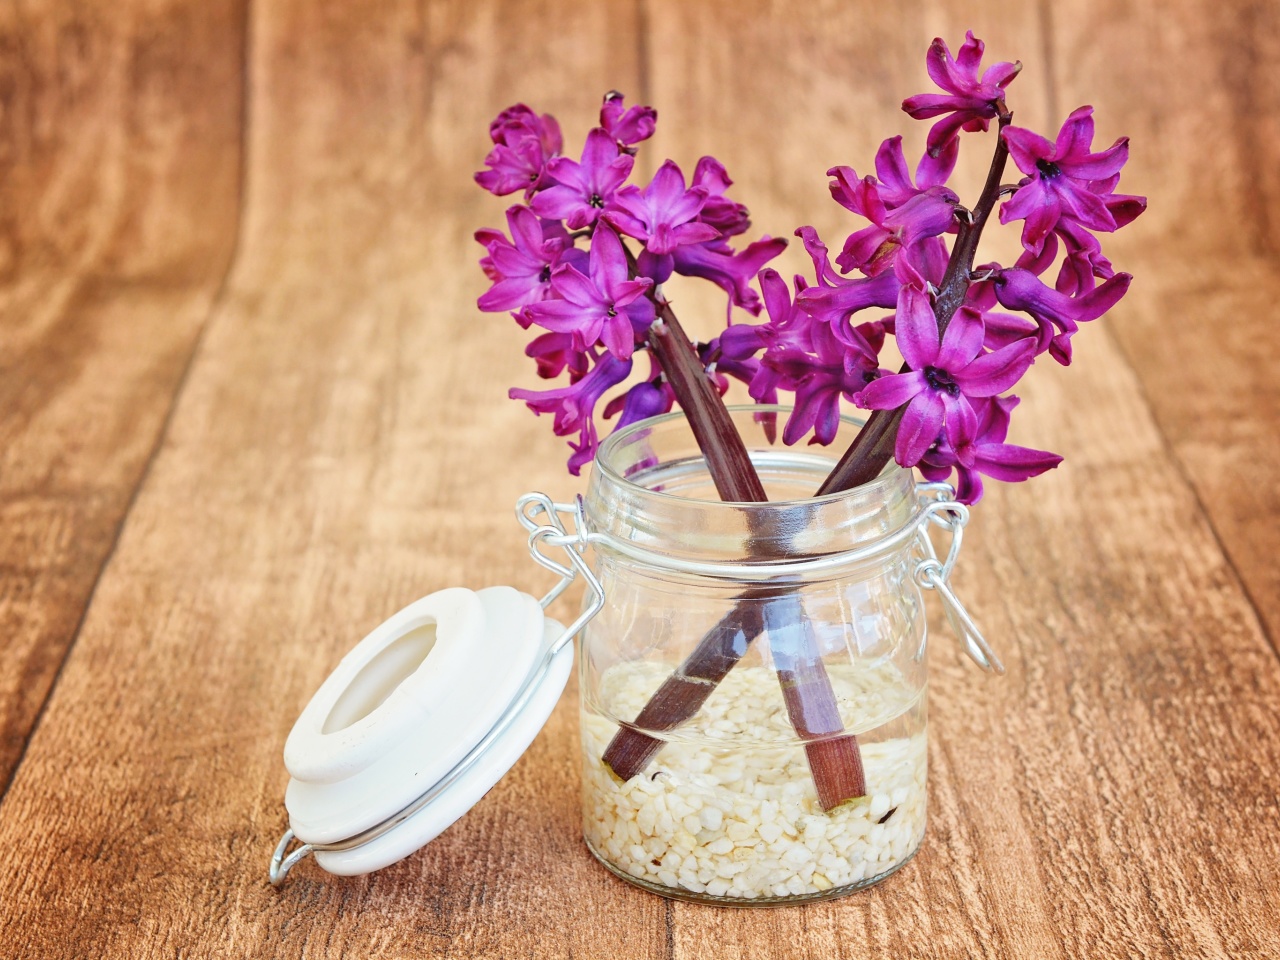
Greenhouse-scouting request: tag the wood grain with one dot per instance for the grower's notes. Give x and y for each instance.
(119, 171)
(1202, 335)
(342, 444)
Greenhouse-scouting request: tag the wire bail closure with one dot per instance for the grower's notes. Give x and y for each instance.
(930, 573)
(542, 518)
(529, 509)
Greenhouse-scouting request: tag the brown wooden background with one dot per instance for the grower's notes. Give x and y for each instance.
(248, 409)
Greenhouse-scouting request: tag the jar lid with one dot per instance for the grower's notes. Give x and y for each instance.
(418, 722)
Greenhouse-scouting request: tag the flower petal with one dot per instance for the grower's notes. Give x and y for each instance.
(1013, 464)
(996, 372)
(921, 424)
(962, 340)
(916, 328)
(891, 392)
(599, 151)
(1026, 147)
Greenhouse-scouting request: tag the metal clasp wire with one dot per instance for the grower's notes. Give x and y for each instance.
(529, 509)
(930, 573)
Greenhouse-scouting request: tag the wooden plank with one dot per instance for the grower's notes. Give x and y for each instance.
(1114, 796)
(1202, 338)
(342, 446)
(119, 156)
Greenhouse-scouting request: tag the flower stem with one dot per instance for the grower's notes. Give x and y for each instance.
(834, 758)
(728, 462)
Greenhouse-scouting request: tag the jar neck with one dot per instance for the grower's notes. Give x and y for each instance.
(650, 489)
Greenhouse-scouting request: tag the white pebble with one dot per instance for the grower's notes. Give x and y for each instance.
(770, 832)
(880, 805)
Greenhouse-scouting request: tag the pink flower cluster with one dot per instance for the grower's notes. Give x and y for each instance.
(824, 348)
(596, 302)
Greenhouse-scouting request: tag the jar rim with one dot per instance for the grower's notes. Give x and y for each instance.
(631, 506)
(888, 476)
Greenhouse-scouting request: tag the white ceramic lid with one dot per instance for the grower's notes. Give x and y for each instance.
(410, 703)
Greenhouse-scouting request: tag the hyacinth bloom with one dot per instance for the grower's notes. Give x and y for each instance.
(555, 352)
(873, 249)
(835, 299)
(728, 269)
(521, 267)
(946, 370)
(584, 189)
(523, 143)
(1061, 175)
(970, 100)
(604, 305)
(627, 125)
(565, 268)
(645, 399)
(573, 407)
(801, 355)
(788, 324)
(789, 330)
(819, 377)
(1057, 315)
(727, 216)
(985, 453)
(663, 216)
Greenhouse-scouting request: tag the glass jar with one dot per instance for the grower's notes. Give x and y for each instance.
(726, 810)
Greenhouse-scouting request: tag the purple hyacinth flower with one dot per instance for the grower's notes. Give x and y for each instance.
(645, 399)
(897, 184)
(584, 189)
(970, 100)
(901, 213)
(627, 125)
(517, 122)
(985, 453)
(727, 216)
(521, 267)
(663, 216)
(787, 322)
(788, 327)
(835, 298)
(554, 352)
(728, 269)
(523, 144)
(604, 305)
(819, 377)
(574, 406)
(1060, 181)
(1057, 314)
(945, 372)
(723, 368)
(801, 355)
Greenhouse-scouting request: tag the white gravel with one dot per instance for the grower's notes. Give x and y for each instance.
(728, 808)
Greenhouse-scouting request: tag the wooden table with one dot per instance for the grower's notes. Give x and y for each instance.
(248, 409)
